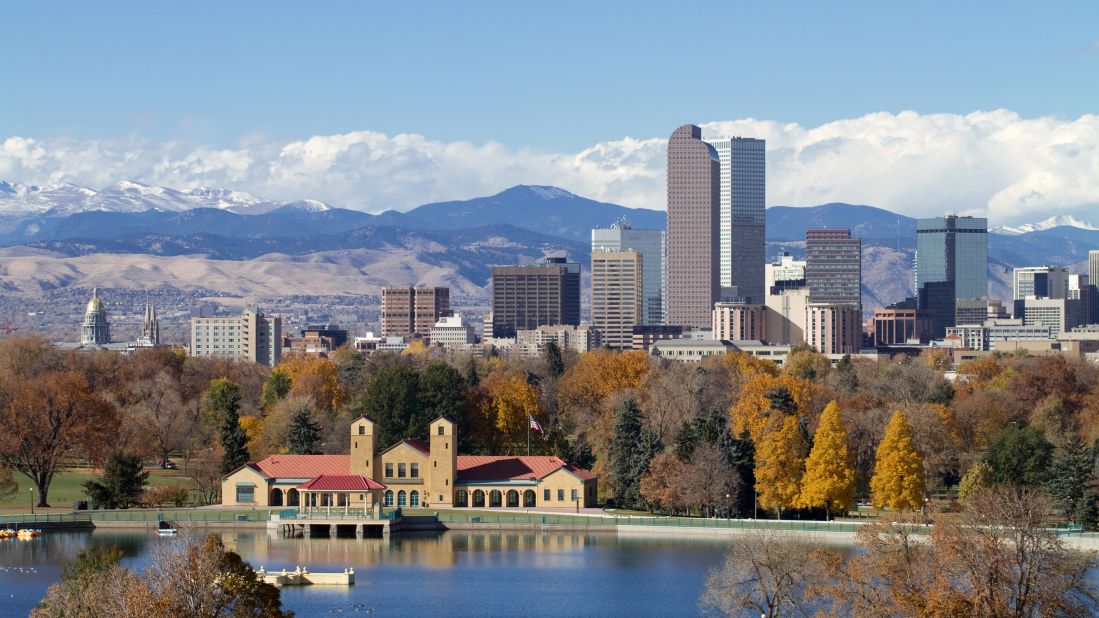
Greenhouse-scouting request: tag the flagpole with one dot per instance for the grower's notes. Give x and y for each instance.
(528, 435)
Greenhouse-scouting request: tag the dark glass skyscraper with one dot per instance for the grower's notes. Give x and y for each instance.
(951, 265)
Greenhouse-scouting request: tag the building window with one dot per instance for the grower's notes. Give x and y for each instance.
(388, 470)
(246, 494)
(414, 472)
(546, 495)
(560, 495)
(389, 498)
(362, 430)
(402, 499)
(441, 432)
(401, 470)
(414, 498)
(575, 496)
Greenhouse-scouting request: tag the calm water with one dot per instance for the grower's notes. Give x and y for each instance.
(439, 574)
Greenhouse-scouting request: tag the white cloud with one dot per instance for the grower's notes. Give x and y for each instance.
(994, 163)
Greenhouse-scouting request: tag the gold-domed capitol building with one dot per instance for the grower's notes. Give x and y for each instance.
(96, 330)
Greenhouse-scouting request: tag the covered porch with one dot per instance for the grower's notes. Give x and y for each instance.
(341, 497)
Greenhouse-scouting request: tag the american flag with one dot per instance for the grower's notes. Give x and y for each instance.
(534, 425)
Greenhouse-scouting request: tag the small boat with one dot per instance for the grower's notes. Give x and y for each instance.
(28, 533)
(167, 532)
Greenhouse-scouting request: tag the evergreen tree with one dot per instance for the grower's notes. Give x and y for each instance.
(829, 479)
(120, 485)
(304, 434)
(782, 400)
(222, 401)
(940, 392)
(632, 448)
(846, 378)
(1020, 455)
(1070, 481)
(472, 379)
(686, 439)
(275, 388)
(554, 362)
(899, 480)
(780, 463)
(391, 400)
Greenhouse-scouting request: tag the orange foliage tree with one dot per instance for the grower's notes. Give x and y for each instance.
(752, 410)
(315, 377)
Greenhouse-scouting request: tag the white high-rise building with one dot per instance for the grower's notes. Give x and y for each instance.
(742, 218)
(251, 335)
(654, 252)
(784, 268)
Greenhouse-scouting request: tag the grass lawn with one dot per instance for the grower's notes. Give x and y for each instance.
(68, 487)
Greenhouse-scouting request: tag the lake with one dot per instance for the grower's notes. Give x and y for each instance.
(452, 573)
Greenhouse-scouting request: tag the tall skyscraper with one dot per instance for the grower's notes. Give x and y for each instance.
(951, 264)
(653, 249)
(412, 311)
(694, 208)
(616, 295)
(544, 293)
(742, 220)
(1093, 266)
(833, 266)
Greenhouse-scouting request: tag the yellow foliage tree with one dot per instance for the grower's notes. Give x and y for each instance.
(829, 479)
(510, 400)
(899, 480)
(315, 377)
(598, 374)
(780, 461)
(752, 409)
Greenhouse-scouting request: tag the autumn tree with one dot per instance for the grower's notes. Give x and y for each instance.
(510, 402)
(222, 404)
(166, 421)
(829, 479)
(765, 400)
(49, 418)
(276, 387)
(315, 377)
(766, 572)
(661, 486)
(899, 481)
(780, 463)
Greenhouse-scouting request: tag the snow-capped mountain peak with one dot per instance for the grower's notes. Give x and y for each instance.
(1052, 222)
(128, 196)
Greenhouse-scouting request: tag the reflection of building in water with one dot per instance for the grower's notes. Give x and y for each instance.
(410, 473)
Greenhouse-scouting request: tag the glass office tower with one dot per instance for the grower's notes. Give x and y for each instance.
(951, 265)
(650, 244)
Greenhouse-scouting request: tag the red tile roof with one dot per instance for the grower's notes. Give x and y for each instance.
(303, 466)
(342, 482)
(473, 468)
(419, 445)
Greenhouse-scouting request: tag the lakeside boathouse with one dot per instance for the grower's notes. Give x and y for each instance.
(411, 473)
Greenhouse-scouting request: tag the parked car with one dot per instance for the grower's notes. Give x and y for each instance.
(168, 464)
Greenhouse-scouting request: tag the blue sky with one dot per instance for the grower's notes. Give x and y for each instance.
(548, 76)
(922, 108)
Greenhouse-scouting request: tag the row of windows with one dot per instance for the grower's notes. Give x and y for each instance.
(403, 499)
(413, 471)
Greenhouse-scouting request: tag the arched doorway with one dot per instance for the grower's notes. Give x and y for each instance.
(293, 498)
(461, 498)
(513, 499)
(478, 498)
(495, 499)
(414, 498)
(276, 497)
(402, 499)
(528, 498)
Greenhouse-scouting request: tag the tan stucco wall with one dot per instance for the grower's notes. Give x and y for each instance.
(244, 475)
(562, 479)
(403, 453)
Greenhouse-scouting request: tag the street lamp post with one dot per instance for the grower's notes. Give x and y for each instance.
(727, 507)
(32, 492)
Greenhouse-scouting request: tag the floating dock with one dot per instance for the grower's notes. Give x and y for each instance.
(302, 577)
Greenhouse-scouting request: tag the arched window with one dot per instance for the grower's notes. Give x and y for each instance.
(293, 498)
(528, 498)
(414, 498)
(478, 498)
(402, 499)
(513, 498)
(389, 498)
(495, 498)
(276, 497)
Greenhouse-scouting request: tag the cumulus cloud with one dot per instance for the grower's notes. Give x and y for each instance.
(995, 163)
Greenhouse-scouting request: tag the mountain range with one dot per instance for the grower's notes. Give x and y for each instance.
(63, 235)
